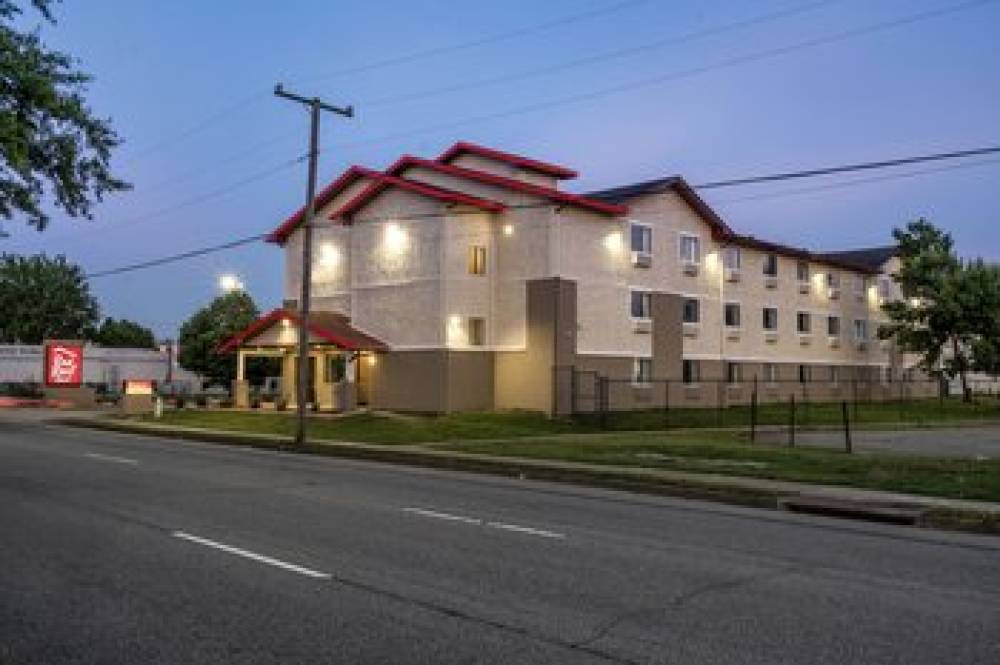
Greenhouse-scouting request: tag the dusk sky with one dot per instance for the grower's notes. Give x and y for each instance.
(620, 91)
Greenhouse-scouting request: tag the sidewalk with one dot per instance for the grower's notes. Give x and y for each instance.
(957, 514)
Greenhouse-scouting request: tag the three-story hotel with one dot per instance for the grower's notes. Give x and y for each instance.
(471, 281)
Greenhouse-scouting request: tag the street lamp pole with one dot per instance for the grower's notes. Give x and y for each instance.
(315, 105)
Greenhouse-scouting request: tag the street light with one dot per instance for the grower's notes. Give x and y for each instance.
(229, 283)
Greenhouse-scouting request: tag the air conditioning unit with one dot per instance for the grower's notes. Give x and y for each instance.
(861, 345)
(643, 326)
(690, 268)
(732, 275)
(733, 334)
(770, 282)
(805, 339)
(770, 337)
(833, 293)
(804, 288)
(834, 342)
(691, 329)
(642, 259)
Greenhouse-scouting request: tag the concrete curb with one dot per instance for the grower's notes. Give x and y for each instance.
(921, 511)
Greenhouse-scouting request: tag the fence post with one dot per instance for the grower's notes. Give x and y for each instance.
(848, 445)
(791, 422)
(666, 404)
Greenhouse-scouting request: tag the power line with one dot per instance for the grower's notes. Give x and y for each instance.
(246, 101)
(601, 57)
(660, 79)
(736, 182)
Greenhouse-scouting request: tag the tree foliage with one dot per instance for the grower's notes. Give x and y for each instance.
(51, 143)
(950, 311)
(44, 298)
(201, 335)
(122, 333)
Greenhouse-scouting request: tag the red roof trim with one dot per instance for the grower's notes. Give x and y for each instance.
(383, 181)
(280, 234)
(464, 147)
(276, 315)
(407, 161)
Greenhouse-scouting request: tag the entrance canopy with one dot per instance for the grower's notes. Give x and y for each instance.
(280, 328)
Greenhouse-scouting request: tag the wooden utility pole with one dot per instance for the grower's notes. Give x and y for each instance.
(315, 105)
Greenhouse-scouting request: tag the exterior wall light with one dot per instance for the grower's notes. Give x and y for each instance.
(371, 360)
(329, 255)
(395, 238)
(508, 230)
(613, 243)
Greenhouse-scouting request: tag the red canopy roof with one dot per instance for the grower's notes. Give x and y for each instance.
(329, 326)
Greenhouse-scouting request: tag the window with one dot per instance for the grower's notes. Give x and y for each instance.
(335, 368)
(860, 330)
(833, 326)
(642, 304)
(731, 258)
(732, 315)
(734, 372)
(771, 265)
(477, 260)
(833, 280)
(692, 310)
(805, 373)
(834, 374)
(691, 371)
(770, 318)
(802, 271)
(860, 286)
(642, 370)
(690, 249)
(803, 322)
(884, 288)
(476, 329)
(641, 238)
(770, 373)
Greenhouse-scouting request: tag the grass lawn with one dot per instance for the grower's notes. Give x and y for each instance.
(378, 428)
(532, 435)
(728, 453)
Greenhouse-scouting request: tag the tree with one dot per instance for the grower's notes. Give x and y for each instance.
(51, 143)
(44, 298)
(201, 335)
(122, 333)
(948, 307)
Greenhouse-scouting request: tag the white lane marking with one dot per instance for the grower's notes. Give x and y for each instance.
(443, 516)
(479, 522)
(111, 458)
(308, 572)
(526, 529)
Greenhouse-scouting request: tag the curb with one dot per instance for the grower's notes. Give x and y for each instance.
(721, 489)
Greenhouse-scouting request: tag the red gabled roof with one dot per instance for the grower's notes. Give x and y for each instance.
(383, 181)
(566, 198)
(464, 147)
(347, 178)
(330, 326)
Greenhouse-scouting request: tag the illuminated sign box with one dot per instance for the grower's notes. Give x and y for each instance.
(139, 387)
(63, 364)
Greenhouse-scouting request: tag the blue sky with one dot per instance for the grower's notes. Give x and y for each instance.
(164, 68)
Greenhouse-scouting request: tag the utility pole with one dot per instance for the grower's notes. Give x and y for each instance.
(315, 105)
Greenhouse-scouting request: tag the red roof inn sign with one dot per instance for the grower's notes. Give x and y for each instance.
(63, 364)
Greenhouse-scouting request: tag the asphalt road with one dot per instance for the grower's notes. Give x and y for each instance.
(125, 549)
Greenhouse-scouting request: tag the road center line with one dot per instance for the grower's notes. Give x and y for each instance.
(111, 458)
(479, 522)
(443, 516)
(278, 563)
(526, 529)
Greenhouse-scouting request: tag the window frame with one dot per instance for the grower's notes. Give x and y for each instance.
(805, 373)
(863, 327)
(646, 234)
(646, 297)
(734, 372)
(639, 377)
(472, 325)
(830, 318)
(770, 373)
(739, 315)
(729, 252)
(477, 260)
(763, 322)
(770, 259)
(697, 311)
(798, 272)
(696, 239)
(806, 316)
(690, 371)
